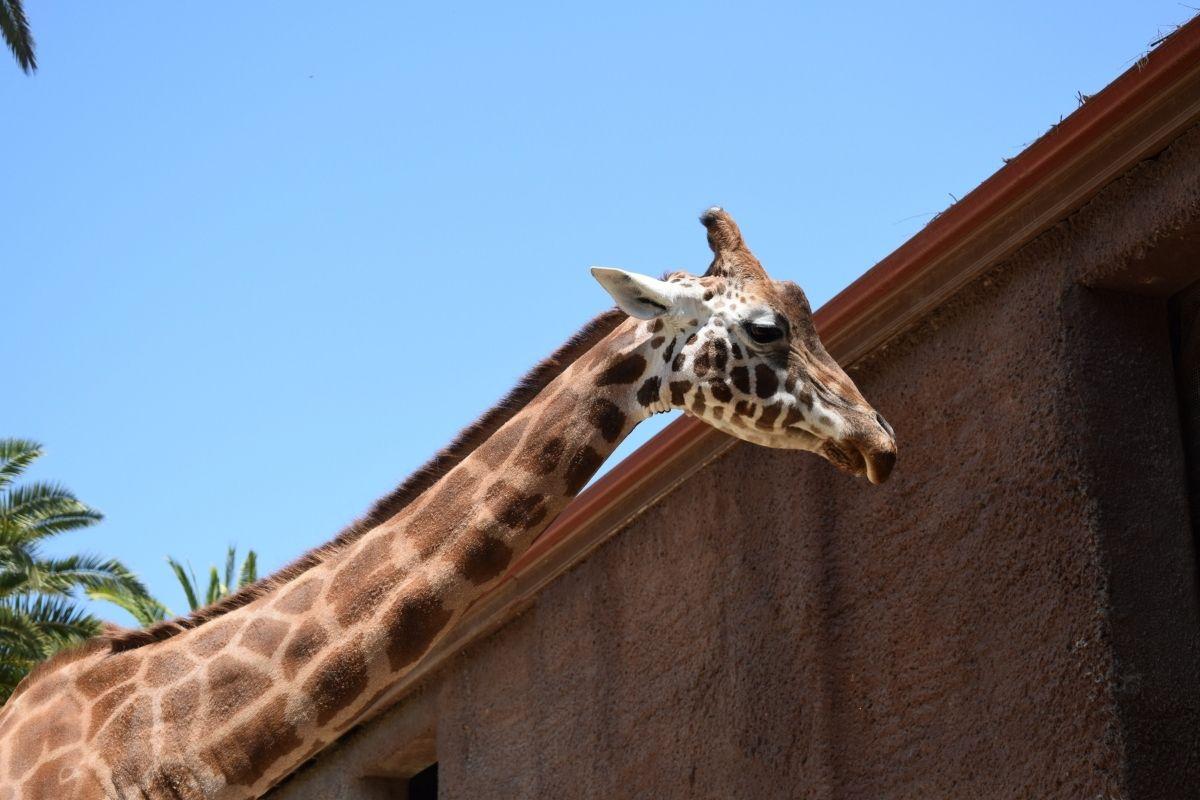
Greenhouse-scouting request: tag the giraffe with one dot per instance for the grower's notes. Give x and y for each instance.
(225, 703)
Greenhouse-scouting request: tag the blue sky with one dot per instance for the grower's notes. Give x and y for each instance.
(264, 258)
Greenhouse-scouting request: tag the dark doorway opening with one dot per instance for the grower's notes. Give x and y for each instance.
(424, 785)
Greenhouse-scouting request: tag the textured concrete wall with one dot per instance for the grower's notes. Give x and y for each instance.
(1013, 615)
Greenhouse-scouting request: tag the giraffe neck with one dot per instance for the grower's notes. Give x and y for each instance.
(298, 667)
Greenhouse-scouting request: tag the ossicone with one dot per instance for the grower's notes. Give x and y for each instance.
(731, 257)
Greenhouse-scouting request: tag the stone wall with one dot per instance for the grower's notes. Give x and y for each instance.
(1013, 615)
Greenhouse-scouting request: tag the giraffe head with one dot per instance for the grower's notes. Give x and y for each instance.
(740, 351)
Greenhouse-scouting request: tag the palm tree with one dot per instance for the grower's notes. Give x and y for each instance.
(218, 585)
(39, 612)
(17, 36)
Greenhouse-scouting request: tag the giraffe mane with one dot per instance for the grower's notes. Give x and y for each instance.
(56, 662)
(471, 437)
(116, 640)
(388, 506)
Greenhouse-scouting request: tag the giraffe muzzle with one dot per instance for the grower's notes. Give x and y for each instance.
(880, 464)
(872, 457)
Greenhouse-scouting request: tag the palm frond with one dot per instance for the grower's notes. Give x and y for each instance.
(33, 629)
(19, 634)
(62, 576)
(12, 671)
(15, 456)
(249, 573)
(40, 611)
(188, 584)
(143, 608)
(36, 510)
(15, 29)
(214, 587)
(60, 621)
(16, 565)
(230, 565)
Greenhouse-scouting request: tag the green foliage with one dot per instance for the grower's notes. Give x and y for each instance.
(14, 27)
(219, 584)
(39, 614)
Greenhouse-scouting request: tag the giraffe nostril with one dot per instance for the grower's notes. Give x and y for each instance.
(883, 423)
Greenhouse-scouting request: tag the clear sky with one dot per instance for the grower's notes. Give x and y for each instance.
(261, 259)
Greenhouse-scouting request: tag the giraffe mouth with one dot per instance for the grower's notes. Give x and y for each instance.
(873, 464)
(847, 460)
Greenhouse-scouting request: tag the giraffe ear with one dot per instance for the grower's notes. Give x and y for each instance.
(639, 295)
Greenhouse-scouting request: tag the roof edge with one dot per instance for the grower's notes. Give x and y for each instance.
(1132, 118)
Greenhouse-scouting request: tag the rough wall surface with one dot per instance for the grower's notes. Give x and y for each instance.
(1013, 615)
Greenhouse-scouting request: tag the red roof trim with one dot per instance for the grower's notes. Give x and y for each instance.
(1131, 118)
(1134, 117)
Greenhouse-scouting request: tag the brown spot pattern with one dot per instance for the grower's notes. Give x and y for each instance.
(263, 636)
(45, 783)
(480, 557)
(412, 623)
(669, 351)
(678, 390)
(513, 507)
(741, 379)
(374, 550)
(304, 644)
(106, 706)
(648, 393)
(109, 672)
(47, 687)
(703, 360)
(720, 355)
(765, 381)
(167, 668)
(496, 450)
(300, 598)
(607, 417)
(656, 342)
(179, 706)
(124, 743)
(360, 601)
(173, 781)
(213, 636)
(769, 415)
(720, 391)
(626, 369)
(338, 681)
(233, 685)
(544, 460)
(443, 513)
(581, 468)
(47, 731)
(246, 753)
(677, 364)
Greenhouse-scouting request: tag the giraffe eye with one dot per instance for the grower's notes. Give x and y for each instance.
(764, 333)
